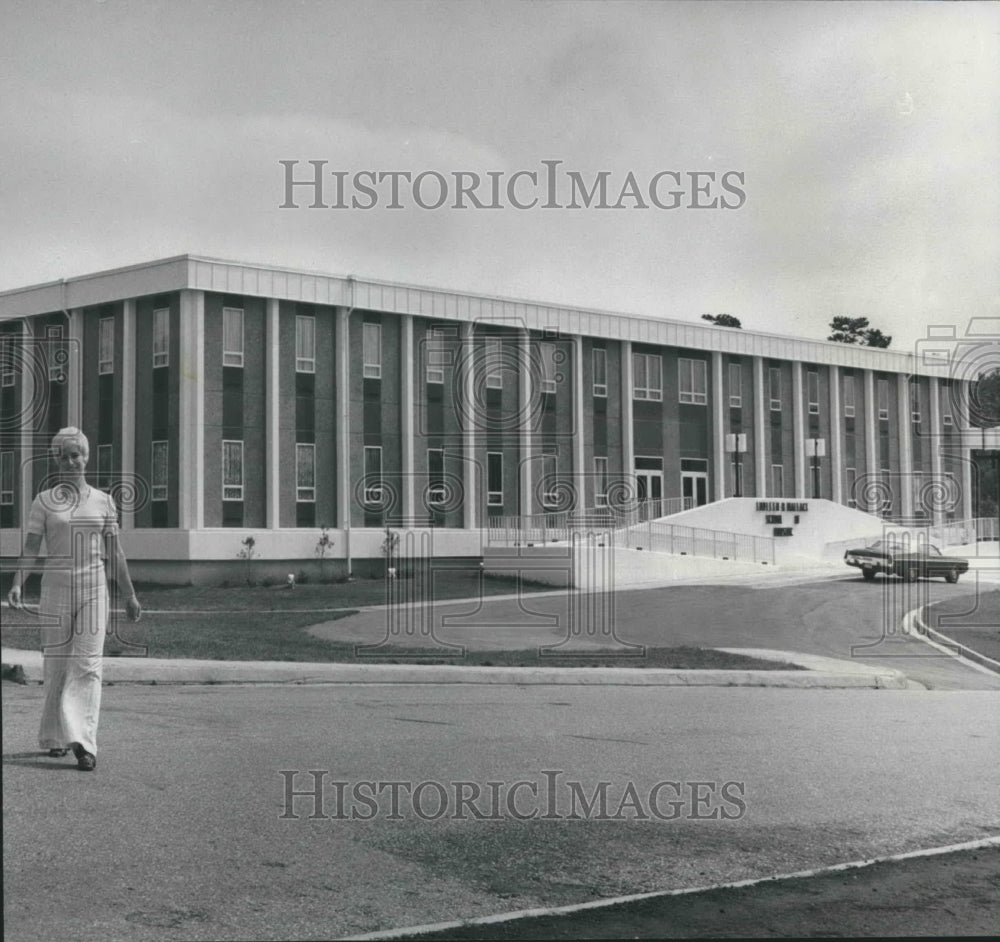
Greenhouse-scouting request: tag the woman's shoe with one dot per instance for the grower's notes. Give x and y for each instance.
(85, 761)
(57, 753)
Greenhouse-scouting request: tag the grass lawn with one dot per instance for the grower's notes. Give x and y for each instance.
(970, 620)
(268, 624)
(328, 596)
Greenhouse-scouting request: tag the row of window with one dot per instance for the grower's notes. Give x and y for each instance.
(647, 369)
(159, 462)
(305, 475)
(161, 341)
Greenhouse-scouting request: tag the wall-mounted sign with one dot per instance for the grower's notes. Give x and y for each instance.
(782, 531)
(782, 506)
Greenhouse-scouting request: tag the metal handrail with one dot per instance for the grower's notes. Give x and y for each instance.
(629, 531)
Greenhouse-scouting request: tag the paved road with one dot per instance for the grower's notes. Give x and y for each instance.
(843, 617)
(179, 834)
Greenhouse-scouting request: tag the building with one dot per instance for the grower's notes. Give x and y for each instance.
(220, 396)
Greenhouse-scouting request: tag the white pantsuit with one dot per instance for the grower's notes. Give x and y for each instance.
(74, 526)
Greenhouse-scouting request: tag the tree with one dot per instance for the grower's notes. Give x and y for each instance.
(856, 330)
(723, 320)
(985, 404)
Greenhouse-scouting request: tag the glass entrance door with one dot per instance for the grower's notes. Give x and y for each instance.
(649, 487)
(694, 488)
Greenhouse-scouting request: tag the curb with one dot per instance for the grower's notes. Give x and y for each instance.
(949, 644)
(161, 671)
(384, 935)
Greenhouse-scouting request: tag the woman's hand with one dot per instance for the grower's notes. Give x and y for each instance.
(14, 596)
(133, 609)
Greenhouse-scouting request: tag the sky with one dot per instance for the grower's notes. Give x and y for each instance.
(866, 138)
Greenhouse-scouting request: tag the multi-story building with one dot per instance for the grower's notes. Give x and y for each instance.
(219, 395)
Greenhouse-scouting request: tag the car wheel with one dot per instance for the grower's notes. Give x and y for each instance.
(951, 576)
(911, 574)
(868, 573)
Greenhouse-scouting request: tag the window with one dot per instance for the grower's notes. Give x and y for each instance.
(161, 337)
(601, 482)
(159, 470)
(434, 352)
(915, 402)
(550, 481)
(946, 410)
(494, 479)
(735, 386)
(371, 343)
(232, 470)
(105, 461)
(812, 391)
(305, 344)
(106, 357)
(736, 478)
(305, 473)
(436, 492)
(7, 375)
(777, 480)
(883, 399)
(850, 483)
(647, 376)
(774, 388)
(232, 337)
(373, 472)
(693, 378)
(848, 397)
(6, 479)
(548, 353)
(494, 363)
(57, 355)
(885, 504)
(600, 362)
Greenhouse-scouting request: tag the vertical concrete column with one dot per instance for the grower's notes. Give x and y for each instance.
(760, 430)
(935, 442)
(718, 428)
(628, 435)
(408, 409)
(343, 321)
(470, 506)
(128, 407)
(798, 433)
(74, 369)
(579, 452)
(191, 457)
(528, 414)
(907, 475)
(871, 420)
(32, 364)
(966, 462)
(272, 414)
(836, 433)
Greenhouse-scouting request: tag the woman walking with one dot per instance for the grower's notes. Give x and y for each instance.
(79, 526)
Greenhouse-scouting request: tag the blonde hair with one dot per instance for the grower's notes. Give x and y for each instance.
(66, 435)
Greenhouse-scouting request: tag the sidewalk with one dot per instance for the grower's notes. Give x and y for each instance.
(818, 672)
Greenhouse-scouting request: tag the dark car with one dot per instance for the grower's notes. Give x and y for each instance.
(909, 562)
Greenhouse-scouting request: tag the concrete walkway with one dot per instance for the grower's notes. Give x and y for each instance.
(817, 672)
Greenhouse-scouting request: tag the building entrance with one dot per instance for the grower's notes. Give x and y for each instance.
(649, 485)
(694, 482)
